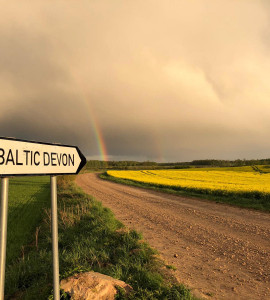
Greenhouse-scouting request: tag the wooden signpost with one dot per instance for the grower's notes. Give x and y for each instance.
(28, 158)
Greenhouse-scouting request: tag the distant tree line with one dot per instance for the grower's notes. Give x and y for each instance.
(132, 165)
(230, 163)
(123, 164)
(136, 165)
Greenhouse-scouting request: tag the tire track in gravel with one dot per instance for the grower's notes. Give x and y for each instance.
(222, 252)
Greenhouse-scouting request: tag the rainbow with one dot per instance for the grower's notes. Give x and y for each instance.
(95, 125)
(98, 134)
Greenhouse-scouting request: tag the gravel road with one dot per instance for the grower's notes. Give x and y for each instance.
(220, 252)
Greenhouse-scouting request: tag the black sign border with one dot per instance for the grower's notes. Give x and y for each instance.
(81, 165)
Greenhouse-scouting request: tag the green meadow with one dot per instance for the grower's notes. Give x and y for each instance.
(28, 196)
(90, 239)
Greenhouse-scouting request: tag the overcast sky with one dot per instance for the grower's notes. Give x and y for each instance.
(162, 80)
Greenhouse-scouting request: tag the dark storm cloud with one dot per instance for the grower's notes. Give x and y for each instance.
(175, 80)
(134, 141)
(26, 60)
(36, 105)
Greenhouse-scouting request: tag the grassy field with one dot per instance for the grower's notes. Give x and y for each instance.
(90, 238)
(28, 196)
(247, 186)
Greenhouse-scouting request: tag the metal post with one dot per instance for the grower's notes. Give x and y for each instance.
(4, 216)
(56, 289)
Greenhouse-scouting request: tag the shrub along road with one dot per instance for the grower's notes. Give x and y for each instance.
(220, 251)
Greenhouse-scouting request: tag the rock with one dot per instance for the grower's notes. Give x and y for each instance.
(175, 255)
(92, 286)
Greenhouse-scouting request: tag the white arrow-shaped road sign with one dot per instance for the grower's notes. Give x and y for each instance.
(19, 157)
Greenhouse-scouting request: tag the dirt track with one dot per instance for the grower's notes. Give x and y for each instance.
(222, 252)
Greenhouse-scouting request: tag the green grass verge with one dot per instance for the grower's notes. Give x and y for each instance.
(27, 198)
(90, 238)
(257, 202)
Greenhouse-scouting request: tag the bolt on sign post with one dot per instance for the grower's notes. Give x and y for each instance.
(29, 158)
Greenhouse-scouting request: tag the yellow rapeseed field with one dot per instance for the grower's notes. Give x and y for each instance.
(210, 181)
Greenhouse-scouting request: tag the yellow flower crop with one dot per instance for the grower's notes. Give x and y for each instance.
(207, 180)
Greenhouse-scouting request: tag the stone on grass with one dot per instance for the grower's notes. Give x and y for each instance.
(92, 285)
